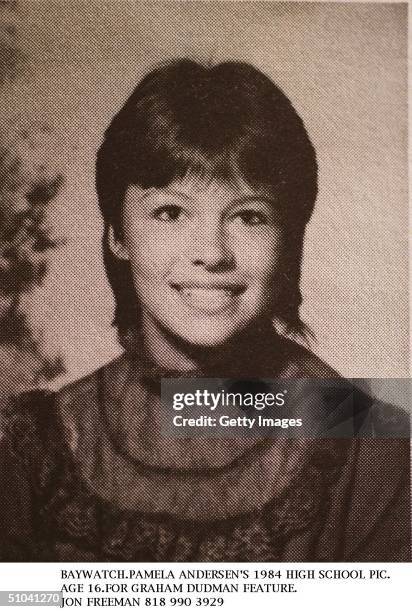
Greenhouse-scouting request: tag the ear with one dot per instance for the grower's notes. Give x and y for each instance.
(117, 246)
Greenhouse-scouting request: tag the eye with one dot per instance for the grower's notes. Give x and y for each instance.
(169, 213)
(253, 217)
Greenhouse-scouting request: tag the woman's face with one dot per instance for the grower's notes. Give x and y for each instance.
(205, 257)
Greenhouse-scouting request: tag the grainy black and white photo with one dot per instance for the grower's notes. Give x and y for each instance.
(201, 191)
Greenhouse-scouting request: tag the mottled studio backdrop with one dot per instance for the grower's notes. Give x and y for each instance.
(344, 67)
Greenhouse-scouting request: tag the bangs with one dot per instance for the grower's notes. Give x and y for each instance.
(229, 123)
(177, 161)
(245, 158)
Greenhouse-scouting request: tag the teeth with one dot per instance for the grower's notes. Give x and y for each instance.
(207, 300)
(206, 292)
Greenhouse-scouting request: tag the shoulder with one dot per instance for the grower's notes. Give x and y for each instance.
(26, 428)
(78, 404)
(350, 400)
(39, 426)
(300, 362)
(31, 415)
(389, 421)
(26, 411)
(87, 388)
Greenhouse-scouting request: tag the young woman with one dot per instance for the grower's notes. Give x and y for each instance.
(206, 179)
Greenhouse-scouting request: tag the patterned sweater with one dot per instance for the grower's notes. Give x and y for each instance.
(85, 475)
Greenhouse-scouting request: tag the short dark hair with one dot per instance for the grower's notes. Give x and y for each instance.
(219, 122)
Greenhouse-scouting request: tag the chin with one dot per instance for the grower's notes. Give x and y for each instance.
(207, 336)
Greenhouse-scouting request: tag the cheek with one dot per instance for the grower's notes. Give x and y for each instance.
(149, 255)
(260, 258)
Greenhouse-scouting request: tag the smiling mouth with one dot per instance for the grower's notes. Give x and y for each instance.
(209, 298)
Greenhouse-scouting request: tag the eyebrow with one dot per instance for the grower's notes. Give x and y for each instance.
(164, 191)
(250, 199)
(246, 199)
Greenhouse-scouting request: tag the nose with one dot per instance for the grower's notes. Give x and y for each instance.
(211, 247)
